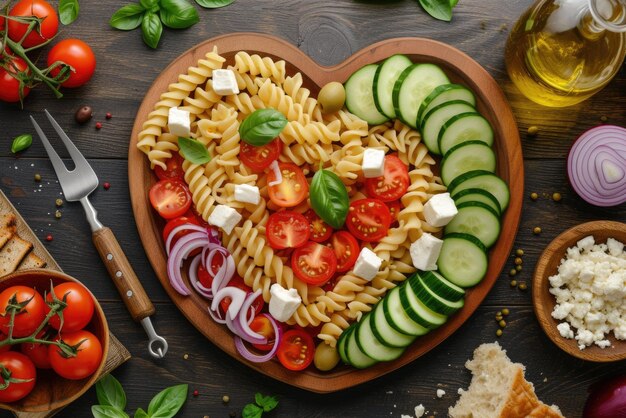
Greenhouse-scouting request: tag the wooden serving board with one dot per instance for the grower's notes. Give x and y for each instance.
(118, 354)
(459, 67)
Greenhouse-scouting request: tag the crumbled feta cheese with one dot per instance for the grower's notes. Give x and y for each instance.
(373, 163)
(425, 252)
(247, 194)
(419, 411)
(565, 330)
(224, 82)
(178, 122)
(603, 343)
(225, 217)
(367, 265)
(586, 243)
(440, 209)
(562, 310)
(283, 302)
(615, 247)
(440, 393)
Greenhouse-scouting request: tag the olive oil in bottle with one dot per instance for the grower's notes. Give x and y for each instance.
(561, 52)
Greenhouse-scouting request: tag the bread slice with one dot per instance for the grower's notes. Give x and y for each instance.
(32, 261)
(499, 389)
(12, 254)
(7, 228)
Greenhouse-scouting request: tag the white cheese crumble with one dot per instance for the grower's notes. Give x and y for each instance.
(590, 290)
(440, 393)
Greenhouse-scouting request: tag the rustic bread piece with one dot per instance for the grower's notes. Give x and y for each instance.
(12, 254)
(32, 261)
(499, 389)
(7, 228)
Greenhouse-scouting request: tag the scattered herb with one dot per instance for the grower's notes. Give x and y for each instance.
(262, 404)
(193, 151)
(178, 14)
(262, 126)
(106, 411)
(129, 17)
(151, 29)
(68, 11)
(329, 198)
(110, 393)
(214, 4)
(21, 142)
(439, 9)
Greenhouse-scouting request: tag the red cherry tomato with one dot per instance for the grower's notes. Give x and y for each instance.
(79, 310)
(39, 8)
(173, 170)
(292, 190)
(320, 230)
(240, 284)
(314, 263)
(9, 83)
(86, 361)
(37, 352)
(203, 274)
(79, 56)
(259, 158)
(175, 223)
(346, 249)
(28, 319)
(261, 325)
(296, 350)
(170, 197)
(394, 208)
(4, 348)
(20, 367)
(394, 182)
(368, 219)
(287, 229)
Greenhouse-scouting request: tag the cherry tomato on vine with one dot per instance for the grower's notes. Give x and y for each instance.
(20, 367)
(77, 55)
(28, 319)
(261, 325)
(296, 350)
(368, 219)
(170, 197)
(37, 352)
(86, 361)
(259, 158)
(39, 8)
(394, 182)
(173, 170)
(79, 310)
(346, 249)
(314, 263)
(9, 82)
(292, 190)
(320, 230)
(287, 229)
(4, 348)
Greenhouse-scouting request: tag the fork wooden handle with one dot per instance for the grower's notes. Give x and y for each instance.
(123, 275)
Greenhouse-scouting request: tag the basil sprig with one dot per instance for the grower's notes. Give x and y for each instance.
(21, 142)
(439, 9)
(214, 4)
(261, 404)
(193, 151)
(261, 126)
(68, 11)
(329, 198)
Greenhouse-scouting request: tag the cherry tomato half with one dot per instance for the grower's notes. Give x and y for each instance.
(170, 197)
(173, 170)
(261, 325)
(240, 284)
(39, 8)
(20, 367)
(287, 229)
(28, 319)
(314, 263)
(79, 310)
(259, 158)
(394, 182)
(175, 223)
(320, 230)
(368, 219)
(203, 274)
(346, 249)
(292, 190)
(86, 361)
(79, 56)
(394, 209)
(37, 352)
(296, 349)
(9, 84)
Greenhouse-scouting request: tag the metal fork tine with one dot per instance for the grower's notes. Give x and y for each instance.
(58, 165)
(76, 155)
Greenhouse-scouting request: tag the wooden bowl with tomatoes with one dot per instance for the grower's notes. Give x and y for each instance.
(51, 378)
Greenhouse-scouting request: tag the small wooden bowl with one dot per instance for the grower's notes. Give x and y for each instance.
(52, 391)
(544, 301)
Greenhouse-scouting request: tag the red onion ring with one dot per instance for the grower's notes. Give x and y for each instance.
(250, 356)
(183, 247)
(237, 297)
(193, 278)
(244, 322)
(173, 232)
(277, 174)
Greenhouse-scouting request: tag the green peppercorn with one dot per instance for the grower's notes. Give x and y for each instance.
(58, 214)
(499, 333)
(58, 202)
(502, 323)
(534, 196)
(537, 230)
(519, 252)
(522, 286)
(603, 118)
(37, 177)
(518, 261)
(556, 196)
(518, 268)
(512, 272)
(498, 318)
(225, 398)
(533, 130)
(505, 311)
(513, 283)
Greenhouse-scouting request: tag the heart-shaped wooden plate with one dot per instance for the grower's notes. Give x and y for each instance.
(460, 69)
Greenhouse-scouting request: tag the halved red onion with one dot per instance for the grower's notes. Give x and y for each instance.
(193, 278)
(246, 315)
(183, 247)
(596, 165)
(256, 358)
(277, 174)
(184, 227)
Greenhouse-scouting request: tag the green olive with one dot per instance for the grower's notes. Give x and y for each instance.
(332, 97)
(326, 357)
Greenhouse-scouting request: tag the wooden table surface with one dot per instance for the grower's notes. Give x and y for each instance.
(329, 31)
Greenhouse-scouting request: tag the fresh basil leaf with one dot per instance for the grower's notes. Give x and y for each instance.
(193, 151)
(453, 3)
(151, 29)
(261, 126)
(251, 411)
(214, 4)
(68, 11)
(128, 17)
(140, 413)
(266, 402)
(178, 14)
(107, 411)
(110, 392)
(329, 198)
(439, 9)
(149, 4)
(167, 402)
(21, 142)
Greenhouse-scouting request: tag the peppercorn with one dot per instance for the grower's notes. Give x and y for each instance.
(522, 286)
(98, 125)
(37, 177)
(58, 202)
(603, 118)
(533, 130)
(225, 398)
(195, 392)
(519, 252)
(108, 115)
(513, 283)
(518, 268)
(499, 333)
(502, 323)
(512, 272)
(537, 230)
(534, 196)
(498, 318)
(518, 261)
(106, 185)
(556, 196)
(49, 237)
(185, 356)
(58, 214)
(505, 311)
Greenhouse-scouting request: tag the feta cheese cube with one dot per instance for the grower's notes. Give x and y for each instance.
(283, 302)
(367, 265)
(247, 194)
(440, 210)
(586, 243)
(224, 82)
(562, 310)
(615, 247)
(224, 217)
(373, 163)
(440, 393)
(584, 337)
(179, 122)
(420, 411)
(565, 330)
(425, 252)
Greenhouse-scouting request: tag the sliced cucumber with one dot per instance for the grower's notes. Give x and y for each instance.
(414, 84)
(418, 311)
(477, 195)
(480, 179)
(476, 219)
(341, 343)
(372, 346)
(435, 119)
(433, 301)
(463, 259)
(467, 156)
(385, 333)
(397, 317)
(360, 96)
(442, 94)
(385, 78)
(465, 127)
(441, 286)
(354, 355)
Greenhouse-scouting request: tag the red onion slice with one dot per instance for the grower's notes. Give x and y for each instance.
(250, 356)
(244, 322)
(237, 297)
(193, 278)
(277, 174)
(183, 247)
(173, 232)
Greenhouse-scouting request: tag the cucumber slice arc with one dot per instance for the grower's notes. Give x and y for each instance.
(384, 80)
(397, 317)
(418, 311)
(372, 346)
(414, 84)
(434, 121)
(467, 156)
(341, 343)
(442, 94)
(441, 286)
(385, 333)
(477, 195)
(463, 259)
(355, 356)
(476, 219)
(433, 301)
(470, 126)
(480, 179)
(360, 96)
